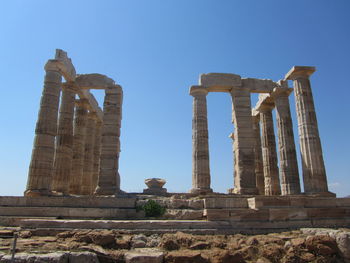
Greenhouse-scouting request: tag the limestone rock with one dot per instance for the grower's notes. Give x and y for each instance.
(138, 244)
(321, 245)
(226, 257)
(83, 257)
(343, 242)
(57, 257)
(169, 244)
(144, 256)
(185, 256)
(200, 245)
(104, 238)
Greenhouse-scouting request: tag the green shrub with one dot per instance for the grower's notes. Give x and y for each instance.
(153, 209)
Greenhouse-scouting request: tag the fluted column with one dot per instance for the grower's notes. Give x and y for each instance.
(80, 122)
(200, 147)
(64, 141)
(268, 141)
(109, 179)
(288, 168)
(259, 168)
(41, 165)
(245, 180)
(96, 157)
(86, 182)
(314, 172)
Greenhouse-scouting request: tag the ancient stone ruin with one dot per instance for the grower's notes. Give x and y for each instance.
(256, 171)
(76, 145)
(73, 172)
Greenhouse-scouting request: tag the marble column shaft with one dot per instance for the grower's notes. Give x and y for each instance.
(314, 173)
(41, 165)
(109, 178)
(268, 142)
(259, 168)
(64, 141)
(200, 145)
(96, 157)
(86, 182)
(288, 168)
(80, 122)
(245, 179)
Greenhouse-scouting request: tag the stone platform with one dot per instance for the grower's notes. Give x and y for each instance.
(206, 214)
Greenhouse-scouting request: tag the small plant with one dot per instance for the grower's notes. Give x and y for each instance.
(153, 209)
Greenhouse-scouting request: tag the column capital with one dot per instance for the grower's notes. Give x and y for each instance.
(198, 90)
(281, 92)
(266, 107)
(298, 72)
(115, 89)
(52, 65)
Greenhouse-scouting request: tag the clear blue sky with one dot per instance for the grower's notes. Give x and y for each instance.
(156, 50)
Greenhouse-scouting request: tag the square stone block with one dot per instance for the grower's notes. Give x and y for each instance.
(218, 202)
(249, 215)
(220, 82)
(284, 214)
(216, 214)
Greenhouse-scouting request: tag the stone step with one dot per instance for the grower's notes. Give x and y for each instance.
(277, 214)
(69, 201)
(296, 201)
(170, 226)
(72, 212)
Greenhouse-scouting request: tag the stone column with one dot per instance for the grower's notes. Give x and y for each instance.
(109, 179)
(64, 141)
(245, 180)
(314, 172)
(80, 122)
(200, 147)
(259, 169)
(268, 141)
(86, 182)
(288, 168)
(96, 158)
(41, 165)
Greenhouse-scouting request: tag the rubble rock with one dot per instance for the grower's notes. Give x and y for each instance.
(185, 256)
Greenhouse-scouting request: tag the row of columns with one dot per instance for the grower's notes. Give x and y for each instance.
(74, 152)
(256, 169)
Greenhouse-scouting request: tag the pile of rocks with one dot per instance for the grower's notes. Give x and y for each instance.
(105, 246)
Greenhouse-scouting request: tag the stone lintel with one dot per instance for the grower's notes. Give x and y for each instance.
(281, 91)
(220, 82)
(197, 90)
(259, 85)
(299, 72)
(93, 81)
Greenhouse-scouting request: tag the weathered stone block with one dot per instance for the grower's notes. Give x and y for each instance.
(220, 82)
(284, 214)
(218, 202)
(249, 215)
(217, 214)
